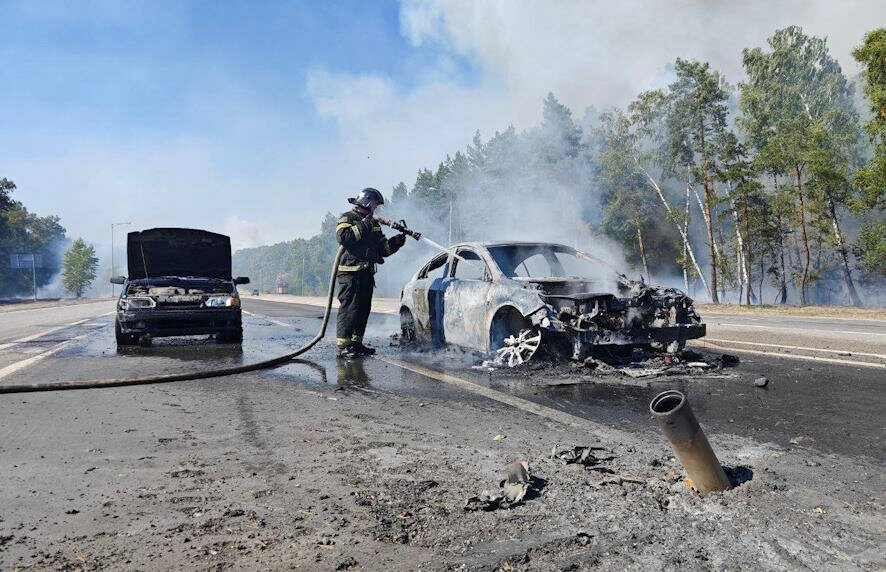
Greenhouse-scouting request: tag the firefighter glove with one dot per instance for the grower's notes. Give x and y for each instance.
(397, 241)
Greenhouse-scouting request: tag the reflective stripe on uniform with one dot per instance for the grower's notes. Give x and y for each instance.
(356, 338)
(344, 225)
(342, 342)
(356, 268)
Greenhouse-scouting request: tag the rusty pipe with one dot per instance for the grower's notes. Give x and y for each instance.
(677, 421)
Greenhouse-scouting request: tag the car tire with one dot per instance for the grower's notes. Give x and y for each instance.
(123, 339)
(230, 337)
(408, 333)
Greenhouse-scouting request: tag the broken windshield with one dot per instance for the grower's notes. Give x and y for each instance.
(542, 261)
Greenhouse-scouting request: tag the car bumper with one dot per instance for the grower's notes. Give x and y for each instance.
(178, 322)
(679, 333)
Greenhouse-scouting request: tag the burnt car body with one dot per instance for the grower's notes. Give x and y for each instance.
(179, 283)
(488, 295)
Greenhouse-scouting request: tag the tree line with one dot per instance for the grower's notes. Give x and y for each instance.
(771, 190)
(23, 232)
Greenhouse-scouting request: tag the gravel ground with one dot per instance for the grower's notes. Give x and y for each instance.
(265, 472)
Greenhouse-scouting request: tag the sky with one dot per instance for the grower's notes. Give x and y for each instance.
(254, 119)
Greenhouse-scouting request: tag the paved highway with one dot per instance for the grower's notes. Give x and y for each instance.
(370, 461)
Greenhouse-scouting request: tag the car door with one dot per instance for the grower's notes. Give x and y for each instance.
(423, 300)
(465, 299)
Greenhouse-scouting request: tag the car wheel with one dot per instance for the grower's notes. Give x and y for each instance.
(123, 339)
(513, 340)
(408, 334)
(230, 337)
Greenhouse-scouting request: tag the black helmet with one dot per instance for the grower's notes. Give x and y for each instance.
(366, 196)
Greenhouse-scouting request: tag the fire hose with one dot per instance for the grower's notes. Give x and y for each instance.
(186, 376)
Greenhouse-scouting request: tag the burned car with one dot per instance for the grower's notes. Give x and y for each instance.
(511, 298)
(179, 284)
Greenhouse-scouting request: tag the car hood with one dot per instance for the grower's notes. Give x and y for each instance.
(178, 252)
(561, 286)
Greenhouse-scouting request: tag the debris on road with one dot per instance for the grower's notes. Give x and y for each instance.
(761, 382)
(582, 456)
(513, 490)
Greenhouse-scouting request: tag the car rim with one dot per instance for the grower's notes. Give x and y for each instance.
(520, 348)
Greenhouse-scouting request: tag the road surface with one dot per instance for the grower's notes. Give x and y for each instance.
(327, 465)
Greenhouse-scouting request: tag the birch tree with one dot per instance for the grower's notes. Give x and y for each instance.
(695, 118)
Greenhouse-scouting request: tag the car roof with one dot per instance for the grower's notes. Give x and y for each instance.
(488, 244)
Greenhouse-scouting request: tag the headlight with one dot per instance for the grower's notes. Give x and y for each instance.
(137, 303)
(222, 302)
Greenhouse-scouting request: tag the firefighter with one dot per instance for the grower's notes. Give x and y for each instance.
(365, 246)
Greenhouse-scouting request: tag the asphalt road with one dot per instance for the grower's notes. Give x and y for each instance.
(825, 376)
(154, 476)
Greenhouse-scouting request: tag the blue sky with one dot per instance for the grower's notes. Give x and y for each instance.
(256, 118)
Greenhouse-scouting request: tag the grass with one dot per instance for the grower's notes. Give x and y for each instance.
(819, 311)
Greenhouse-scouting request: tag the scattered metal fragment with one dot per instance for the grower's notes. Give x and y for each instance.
(517, 483)
(581, 455)
(761, 381)
(513, 490)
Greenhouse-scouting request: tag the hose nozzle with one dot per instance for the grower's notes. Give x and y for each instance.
(399, 226)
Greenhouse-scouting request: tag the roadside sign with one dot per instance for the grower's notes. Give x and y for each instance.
(25, 261)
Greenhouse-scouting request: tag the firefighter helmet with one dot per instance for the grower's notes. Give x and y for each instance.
(366, 196)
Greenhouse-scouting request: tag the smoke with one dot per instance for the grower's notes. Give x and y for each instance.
(532, 186)
(244, 233)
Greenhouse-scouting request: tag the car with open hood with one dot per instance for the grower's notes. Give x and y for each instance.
(179, 283)
(511, 298)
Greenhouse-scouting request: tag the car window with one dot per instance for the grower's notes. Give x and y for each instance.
(436, 268)
(535, 265)
(543, 261)
(471, 267)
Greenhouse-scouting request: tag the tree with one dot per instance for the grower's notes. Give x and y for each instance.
(560, 136)
(23, 232)
(79, 267)
(796, 99)
(871, 180)
(696, 117)
(648, 116)
(6, 187)
(399, 193)
(627, 207)
(743, 192)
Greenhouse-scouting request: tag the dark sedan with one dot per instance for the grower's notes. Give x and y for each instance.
(179, 283)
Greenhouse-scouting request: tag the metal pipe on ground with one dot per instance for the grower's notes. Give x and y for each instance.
(677, 421)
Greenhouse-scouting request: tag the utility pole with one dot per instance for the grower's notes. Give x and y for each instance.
(450, 222)
(112, 251)
(34, 273)
(303, 270)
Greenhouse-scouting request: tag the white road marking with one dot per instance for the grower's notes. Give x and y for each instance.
(524, 405)
(704, 342)
(41, 334)
(854, 353)
(20, 365)
(799, 329)
(268, 318)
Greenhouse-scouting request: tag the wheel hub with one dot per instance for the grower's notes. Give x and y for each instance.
(519, 348)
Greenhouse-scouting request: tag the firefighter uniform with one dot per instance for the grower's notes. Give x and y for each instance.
(365, 245)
